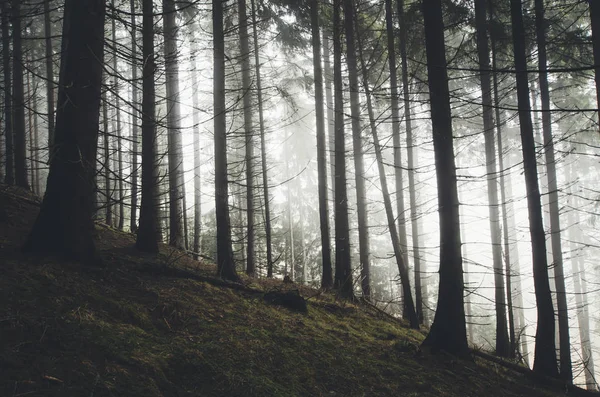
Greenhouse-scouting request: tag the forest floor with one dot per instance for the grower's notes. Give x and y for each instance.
(147, 325)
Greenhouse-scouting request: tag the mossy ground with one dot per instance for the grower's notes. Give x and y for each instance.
(131, 329)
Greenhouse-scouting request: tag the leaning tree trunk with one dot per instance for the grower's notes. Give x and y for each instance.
(359, 168)
(148, 233)
(65, 225)
(248, 133)
(502, 341)
(448, 331)
(49, 76)
(9, 176)
(175, 155)
(566, 370)
(225, 263)
(420, 288)
(18, 99)
(135, 117)
(409, 308)
(327, 278)
(545, 356)
(343, 268)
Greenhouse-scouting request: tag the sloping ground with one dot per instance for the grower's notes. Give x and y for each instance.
(160, 326)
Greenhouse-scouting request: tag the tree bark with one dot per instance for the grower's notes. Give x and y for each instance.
(225, 263)
(327, 78)
(545, 357)
(343, 268)
(175, 155)
(18, 99)
(148, 233)
(408, 305)
(502, 341)
(9, 175)
(448, 331)
(65, 225)
(118, 132)
(135, 117)
(595, 18)
(566, 370)
(327, 277)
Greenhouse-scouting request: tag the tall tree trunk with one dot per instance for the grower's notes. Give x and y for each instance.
(107, 167)
(359, 168)
(502, 340)
(545, 357)
(148, 233)
(49, 75)
(408, 305)
(327, 78)
(118, 132)
(263, 146)
(9, 175)
(327, 277)
(65, 225)
(30, 99)
(18, 99)
(448, 331)
(225, 263)
(468, 307)
(343, 269)
(595, 18)
(566, 370)
(135, 117)
(248, 133)
(176, 210)
(420, 288)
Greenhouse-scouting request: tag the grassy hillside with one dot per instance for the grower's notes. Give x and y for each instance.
(162, 326)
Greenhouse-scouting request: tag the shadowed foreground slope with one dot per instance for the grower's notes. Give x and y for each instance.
(159, 326)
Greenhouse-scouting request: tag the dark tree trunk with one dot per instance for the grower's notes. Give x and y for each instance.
(175, 155)
(420, 288)
(263, 146)
(9, 176)
(225, 263)
(409, 308)
(49, 75)
(248, 133)
(135, 117)
(148, 233)
(595, 17)
(327, 78)
(448, 330)
(327, 278)
(107, 168)
(545, 356)
(566, 369)
(65, 225)
(18, 99)
(343, 267)
(359, 168)
(502, 340)
(197, 150)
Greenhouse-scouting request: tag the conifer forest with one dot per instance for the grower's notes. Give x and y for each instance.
(433, 159)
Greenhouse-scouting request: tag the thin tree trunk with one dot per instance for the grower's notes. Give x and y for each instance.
(9, 175)
(327, 277)
(263, 146)
(18, 99)
(343, 269)
(135, 117)
(503, 348)
(448, 331)
(225, 263)
(197, 149)
(359, 168)
(420, 289)
(118, 132)
(49, 75)
(408, 305)
(327, 78)
(65, 224)
(248, 133)
(595, 18)
(30, 98)
(148, 233)
(545, 357)
(468, 307)
(566, 369)
(107, 168)
(176, 210)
